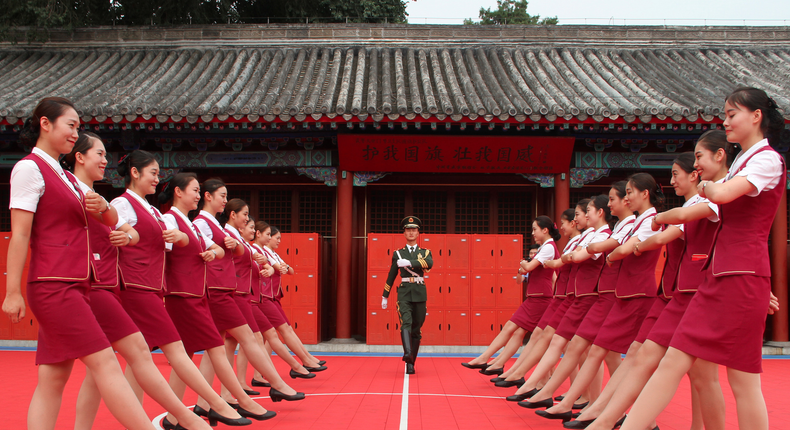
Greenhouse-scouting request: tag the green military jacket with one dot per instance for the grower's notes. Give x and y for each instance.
(421, 263)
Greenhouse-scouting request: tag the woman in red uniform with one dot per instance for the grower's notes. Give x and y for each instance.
(49, 214)
(539, 294)
(142, 269)
(635, 291)
(88, 160)
(554, 312)
(698, 220)
(725, 319)
(186, 301)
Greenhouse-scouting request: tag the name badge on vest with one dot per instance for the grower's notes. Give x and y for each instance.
(96, 256)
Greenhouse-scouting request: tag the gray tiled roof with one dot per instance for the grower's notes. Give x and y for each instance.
(396, 83)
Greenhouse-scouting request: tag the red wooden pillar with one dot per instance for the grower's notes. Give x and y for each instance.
(779, 271)
(562, 199)
(345, 188)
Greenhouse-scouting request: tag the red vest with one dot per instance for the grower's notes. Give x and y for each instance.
(185, 269)
(740, 244)
(588, 273)
(699, 237)
(244, 264)
(269, 288)
(607, 282)
(539, 281)
(570, 285)
(221, 271)
(637, 277)
(104, 255)
(669, 275)
(59, 237)
(142, 266)
(564, 272)
(256, 279)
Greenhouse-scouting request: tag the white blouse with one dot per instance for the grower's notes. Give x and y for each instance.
(764, 170)
(171, 223)
(27, 182)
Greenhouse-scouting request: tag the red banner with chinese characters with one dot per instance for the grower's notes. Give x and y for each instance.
(471, 154)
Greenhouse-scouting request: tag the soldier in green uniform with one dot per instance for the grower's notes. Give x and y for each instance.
(412, 262)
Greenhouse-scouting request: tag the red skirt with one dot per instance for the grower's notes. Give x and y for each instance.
(274, 312)
(596, 316)
(623, 323)
(147, 310)
(67, 328)
(725, 321)
(575, 315)
(549, 312)
(263, 323)
(530, 312)
(555, 319)
(113, 319)
(192, 318)
(668, 321)
(224, 310)
(650, 320)
(245, 306)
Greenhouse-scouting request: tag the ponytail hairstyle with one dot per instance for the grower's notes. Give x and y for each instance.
(601, 202)
(568, 214)
(583, 204)
(619, 188)
(713, 140)
(261, 226)
(51, 108)
(234, 205)
(137, 159)
(545, 222)
(644, 181)
(83, 145)
(180, 180)
(686, 162)
(755, 99)
(209, 186)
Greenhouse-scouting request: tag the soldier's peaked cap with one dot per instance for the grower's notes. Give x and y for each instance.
(411, 222)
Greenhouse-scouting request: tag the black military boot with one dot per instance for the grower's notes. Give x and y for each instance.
(415, 348)
(405, 337)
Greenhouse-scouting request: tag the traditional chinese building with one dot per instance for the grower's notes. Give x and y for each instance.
(342, 130)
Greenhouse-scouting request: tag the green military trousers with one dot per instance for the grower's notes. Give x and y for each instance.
(412, 317)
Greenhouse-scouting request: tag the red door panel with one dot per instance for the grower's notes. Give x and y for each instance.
(509, 252)
(284, 250)
(380, 327)
(483, 287)
(304, 250)
(457, 323)
(483, 257)
(305, 324)
(435, 285)
(375, 287)
(5, 240)
(456, 292)
(304, 287)
(483, 326)
(457, 252)
(379, 251)
(287, 283)
(432, 330)
(508, 290)
(437, 244)
(503, 316)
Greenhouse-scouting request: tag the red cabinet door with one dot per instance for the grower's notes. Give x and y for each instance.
(456, 290)
(304, 288)
(284, 250)
(304, 250)
(5, 323)
(457, 252)
(483, 257)
(379, 251)
(287, 283)
(433, 330)
(375, 287)
(437, 244)
(484, 326)
(508, 290)
(435, 285)
(503, 316)
(483, 287)
(380, 327)
(305, 324)
(5, 240)
(509, 250)
(457, 323)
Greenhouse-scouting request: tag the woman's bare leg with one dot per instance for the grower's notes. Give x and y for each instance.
(593, 410)
(499, 341)
(228, 378)
(512, 345)
(138, 390)
(295, 345)
(282, 351)
(45, 404)
(749, 401)
(533, 357)
(586, 374)
(568, 364)
(259, 359)
(533, 339)
(710, 408)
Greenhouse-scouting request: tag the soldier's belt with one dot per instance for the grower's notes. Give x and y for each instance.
(414, 280)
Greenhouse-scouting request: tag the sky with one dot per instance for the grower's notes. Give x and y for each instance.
(617, 12)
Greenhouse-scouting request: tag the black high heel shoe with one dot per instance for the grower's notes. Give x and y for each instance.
(580, 405)
(294, 374)
(520, 397)
(620, 422)
(564, 416)
(506, 384)
(316, 369)
(492, 371)
(535, 405)
(474, 366)
(200, 411)
(497, 379)
(258, 417)
(167, 425)
(252, 393)
(278, 396)
(214, 418)
(583, 424)
(322, 362)
(257, 383)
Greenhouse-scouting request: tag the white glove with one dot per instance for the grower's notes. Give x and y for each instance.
(383, 303)
(404, 263)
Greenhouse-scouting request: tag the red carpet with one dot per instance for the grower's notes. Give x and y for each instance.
(366, 393)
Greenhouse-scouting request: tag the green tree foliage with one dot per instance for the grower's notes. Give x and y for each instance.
(510, 12)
